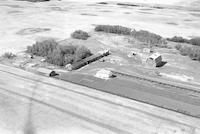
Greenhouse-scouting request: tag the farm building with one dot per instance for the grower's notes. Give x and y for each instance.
(89, 60)
(104, 52)
(104, 74)
(154, 60)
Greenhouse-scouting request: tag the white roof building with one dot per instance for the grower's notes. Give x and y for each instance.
(104, 74)
(104, 51)
(155, 56)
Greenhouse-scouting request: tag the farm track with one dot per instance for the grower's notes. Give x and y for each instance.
(156, 82)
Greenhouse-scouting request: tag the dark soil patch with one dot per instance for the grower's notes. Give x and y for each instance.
(58, 9)
(13, 12)
(88, 14)
(29, 31)
(103, 3)
(188, 20)
(146, 9)
(172, 23)
(144, 12)
(14, 6)
(34, 0)
(195, 14)
(127, 12)
(126, 4)
(106, 11)
(158, 7)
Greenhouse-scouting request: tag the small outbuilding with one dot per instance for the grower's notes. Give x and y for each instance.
(104, 74)
(154, 60)
(104, 52)
(43, 60)
(147, 50)
(68, 67)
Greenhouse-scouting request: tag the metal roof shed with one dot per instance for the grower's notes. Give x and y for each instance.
(155, 59)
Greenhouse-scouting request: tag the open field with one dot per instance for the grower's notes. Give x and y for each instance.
(24, 22)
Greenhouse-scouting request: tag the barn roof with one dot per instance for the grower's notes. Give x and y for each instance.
(154, 55)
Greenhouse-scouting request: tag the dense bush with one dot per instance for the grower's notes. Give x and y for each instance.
(147, 37)
(43, 48)
(195, 41)
(143, 36)
(178, 39)
(195, 53)
(192, 51)
(8, 55)
(82, 53)
(57, 54)
(56, 57)
(113, 29)
(178, 47)
(185, 50)
(79, 34)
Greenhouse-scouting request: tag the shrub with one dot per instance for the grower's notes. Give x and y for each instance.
(185, 50)
(8, 55)
(79, 34)
(59, 55)
(195, 53)
(178, 39)
(113, 29)
(195, 41)
(178, 47)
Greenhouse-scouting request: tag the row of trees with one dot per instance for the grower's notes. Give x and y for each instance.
(57, 54)
(194, 41)
(142, 35)
(192, 51)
